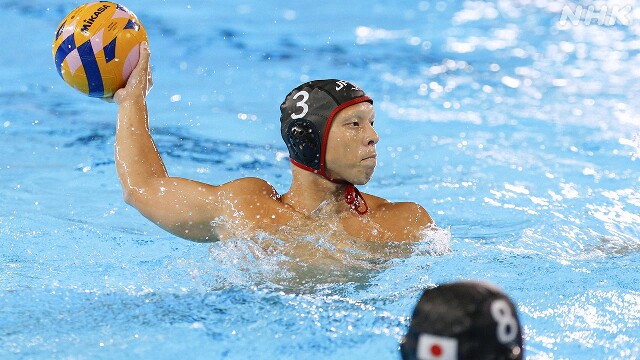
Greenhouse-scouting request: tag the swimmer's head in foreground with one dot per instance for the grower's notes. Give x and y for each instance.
(327, 126)
(463, 320)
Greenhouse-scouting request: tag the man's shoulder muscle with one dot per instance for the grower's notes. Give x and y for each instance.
(410, 212)
(250, 186)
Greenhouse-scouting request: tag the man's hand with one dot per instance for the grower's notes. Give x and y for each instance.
(140, 82)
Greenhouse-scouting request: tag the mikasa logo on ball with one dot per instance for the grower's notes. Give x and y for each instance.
(88, 22)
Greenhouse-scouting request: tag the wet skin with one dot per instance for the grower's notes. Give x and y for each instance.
(202, 212)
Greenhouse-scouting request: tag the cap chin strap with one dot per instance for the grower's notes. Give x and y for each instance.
(355, 200)
(352, 195)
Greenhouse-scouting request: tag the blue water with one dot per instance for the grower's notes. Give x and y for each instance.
(520, 135)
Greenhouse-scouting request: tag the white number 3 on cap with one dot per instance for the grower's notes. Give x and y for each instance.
(302, 103)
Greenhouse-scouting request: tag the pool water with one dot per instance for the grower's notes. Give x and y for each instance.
(518, 132)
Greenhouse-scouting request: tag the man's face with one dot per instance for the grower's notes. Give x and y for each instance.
(351, 146)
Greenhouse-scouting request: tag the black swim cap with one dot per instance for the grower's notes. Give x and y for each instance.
(464, 320)
(307, 113)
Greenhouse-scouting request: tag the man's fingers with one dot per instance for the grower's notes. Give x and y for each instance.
(143, 63)
(140, 79)
(144, 51)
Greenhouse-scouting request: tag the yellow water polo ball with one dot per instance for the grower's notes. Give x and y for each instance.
(97, 46)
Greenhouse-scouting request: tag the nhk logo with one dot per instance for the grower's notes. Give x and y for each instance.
(601, 15)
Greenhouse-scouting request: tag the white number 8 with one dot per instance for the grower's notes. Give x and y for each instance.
(507, 329)
(302, 103)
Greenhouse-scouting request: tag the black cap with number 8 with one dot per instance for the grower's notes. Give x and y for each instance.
(463, 320)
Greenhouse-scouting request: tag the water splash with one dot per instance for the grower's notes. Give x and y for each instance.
(311, 263)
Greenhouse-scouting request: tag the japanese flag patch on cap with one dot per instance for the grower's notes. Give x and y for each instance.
(432, 347)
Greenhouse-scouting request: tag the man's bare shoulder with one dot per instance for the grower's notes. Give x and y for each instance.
(250, 186)
(410, 211)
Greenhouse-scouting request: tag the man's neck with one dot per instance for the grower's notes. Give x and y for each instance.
(309, 191)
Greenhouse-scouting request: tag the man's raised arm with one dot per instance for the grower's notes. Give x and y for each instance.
(137, 159)
(180, 206)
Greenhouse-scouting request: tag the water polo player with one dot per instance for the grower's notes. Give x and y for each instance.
(464, 320)
(328, 128)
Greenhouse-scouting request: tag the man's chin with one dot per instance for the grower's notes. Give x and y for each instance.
(363, 180)
(359, 176)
